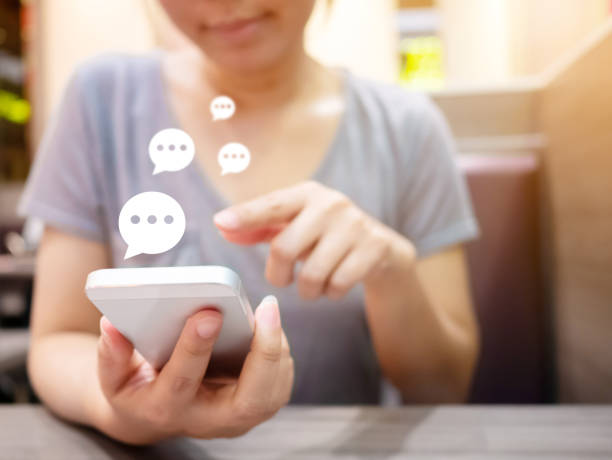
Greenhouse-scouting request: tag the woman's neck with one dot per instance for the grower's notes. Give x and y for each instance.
(293, 77)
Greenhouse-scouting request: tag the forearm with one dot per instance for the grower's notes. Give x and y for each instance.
(425, 352)
(62, 368)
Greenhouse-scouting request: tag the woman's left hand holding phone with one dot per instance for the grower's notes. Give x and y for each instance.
(142, 405)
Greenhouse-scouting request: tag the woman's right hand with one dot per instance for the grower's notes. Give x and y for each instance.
(142, 405)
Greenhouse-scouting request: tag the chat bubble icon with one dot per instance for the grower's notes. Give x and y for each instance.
(222, 108)
(171, 150)
(233, 158)
(151, 223)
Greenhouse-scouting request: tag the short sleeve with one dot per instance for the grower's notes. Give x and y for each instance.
(434, 204)
(62, 188)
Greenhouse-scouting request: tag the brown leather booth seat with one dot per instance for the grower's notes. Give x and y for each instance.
(506, 280)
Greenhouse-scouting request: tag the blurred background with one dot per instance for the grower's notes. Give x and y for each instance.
(527, 88)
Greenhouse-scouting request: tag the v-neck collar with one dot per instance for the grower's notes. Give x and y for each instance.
(201, 177)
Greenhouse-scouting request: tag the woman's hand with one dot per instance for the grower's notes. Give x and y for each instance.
(144, 406)
(339, 243)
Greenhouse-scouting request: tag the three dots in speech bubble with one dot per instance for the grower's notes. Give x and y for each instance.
(233, 157)
(153, 222)
(172, 149)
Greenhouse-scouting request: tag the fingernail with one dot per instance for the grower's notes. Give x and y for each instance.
(104, 324)
(208, 327)
(270, 298)
(227, 219)
(269, 316)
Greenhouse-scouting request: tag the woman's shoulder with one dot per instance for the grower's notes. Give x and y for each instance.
(392, 104)
(110, 64)
(106, 73)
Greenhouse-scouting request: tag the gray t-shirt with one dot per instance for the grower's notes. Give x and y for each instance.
(392, 155)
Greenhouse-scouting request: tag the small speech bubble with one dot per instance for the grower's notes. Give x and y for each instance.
(151, 223)
(171, 150)
(222, 108)
(233, 158)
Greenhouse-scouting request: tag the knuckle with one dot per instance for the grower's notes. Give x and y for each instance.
(159, 416)
(380, 245)
(337, 289)
(353, 222)
(192, 349)
(357, 219)
(311, 277)
(249, 412)
(336, 201)
(378, 237)
(280, 252)
(384, 251)
(353, 227)
(227, 425)
(338, 285)
(273, 201)
(271, 354)
(276, 276)
(182, 384)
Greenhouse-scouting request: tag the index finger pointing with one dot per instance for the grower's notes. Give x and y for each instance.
(271, 209)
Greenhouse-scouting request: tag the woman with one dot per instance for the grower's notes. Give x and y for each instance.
(351, 212)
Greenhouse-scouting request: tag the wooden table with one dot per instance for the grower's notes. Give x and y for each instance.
(471, 432)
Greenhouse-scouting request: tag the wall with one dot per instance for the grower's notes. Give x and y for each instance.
(534, 45)
(575, 115)
(493, 41)
(360, 35)
(72, 30)
(476, 41)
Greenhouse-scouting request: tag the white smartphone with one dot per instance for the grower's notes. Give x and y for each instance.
(149, 306)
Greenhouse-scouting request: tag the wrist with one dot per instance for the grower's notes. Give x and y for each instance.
(103, 417)
(399, 263)
(107, 421)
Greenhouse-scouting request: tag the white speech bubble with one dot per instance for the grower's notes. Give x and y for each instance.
(151, 223)
(222, 108)
(171, 150)
(233, 158)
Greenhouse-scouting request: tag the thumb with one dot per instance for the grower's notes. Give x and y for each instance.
(262, 364)
(114, 357)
